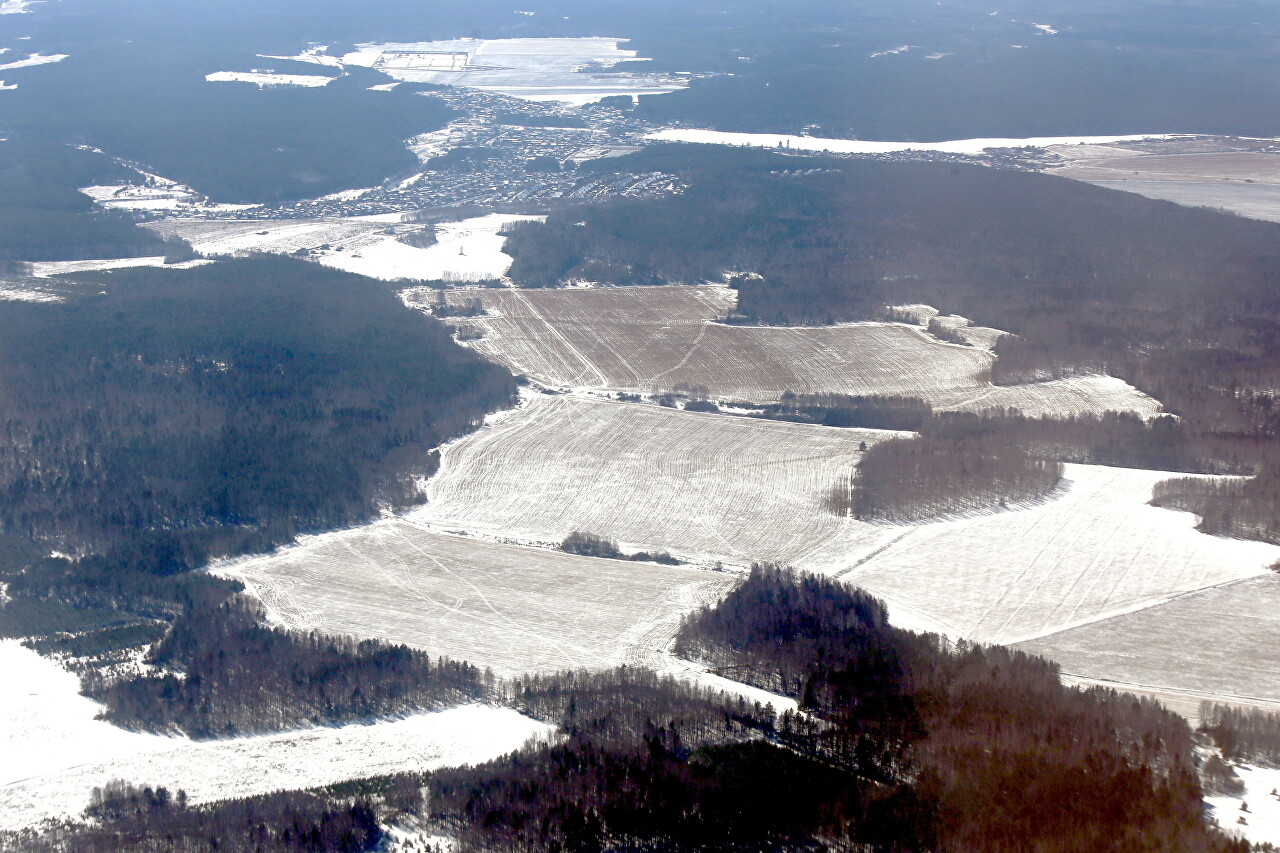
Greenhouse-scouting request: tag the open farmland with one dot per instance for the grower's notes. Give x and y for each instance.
(1221, 643)
(501, 606)
(1241, 176)
(467, 250)
(56, 753)
(700, 485)
(1096, 549)
(647, 339)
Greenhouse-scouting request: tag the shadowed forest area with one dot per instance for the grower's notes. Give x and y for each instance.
(178, 416)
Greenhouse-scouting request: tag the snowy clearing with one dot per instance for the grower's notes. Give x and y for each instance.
(34, 59)
(855, 146)
(465, 251)
(1221, 644)
(1240, 176)
(506, 607)
(56, 752)
(647, 339)
(572, 70)
(1262, 820)
(269, 78)
(704, 486)
(1097, 549)
(45, 269)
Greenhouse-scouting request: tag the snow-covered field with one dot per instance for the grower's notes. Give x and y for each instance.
(647, 339)
(707, 486)
(44, 269)
(571, 70)
(510, 608)
(737, 489)
(1255, 200)
(1221, 643)
(1261, 820)
(1240, 177)
(1097, 549)
(55, 753)
(857, 146)
(269, 78)
(466, 250)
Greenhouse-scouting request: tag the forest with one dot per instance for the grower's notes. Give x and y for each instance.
(903, 742)
(909, 479)
(178, 416)
(222, 673)
(1248, 735)
(44, 217)
(133, 819)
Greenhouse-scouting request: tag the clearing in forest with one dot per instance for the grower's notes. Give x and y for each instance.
(647, 339)
(505, 607)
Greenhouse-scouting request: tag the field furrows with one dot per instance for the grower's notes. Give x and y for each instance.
(1096, 549)
(647, 339)
(702, 485)
(506, 607)
(1221, 643)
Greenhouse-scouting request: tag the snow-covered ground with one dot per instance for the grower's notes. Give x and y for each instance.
(33, 59)
(856, 146)
(738, 490)
(55, 752)
(510, 608)
(705, 486)
(269, 78)
(646, 339)
(570, 70)
(1261, 820)
(44, 269)
(466, 250)
(1220, 643)
(1096, 550)
(15, 7)
(157, 194)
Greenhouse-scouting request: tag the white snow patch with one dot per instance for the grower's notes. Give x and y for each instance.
(4, 88)
(16, 7)
(467, 250)
(24, 295)
(56, 752)
(262, 78)
(34, 59)
(44, 269)
(315, 55)
(571, 70)
(1262, 820)
(1045, 29)
(855, 146)
(384, 87)
(894, 51)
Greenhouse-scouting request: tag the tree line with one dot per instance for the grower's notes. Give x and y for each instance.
(223, 673)
(907, 479)
(127, 818)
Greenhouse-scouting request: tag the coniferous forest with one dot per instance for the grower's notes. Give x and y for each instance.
(169, 417)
